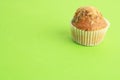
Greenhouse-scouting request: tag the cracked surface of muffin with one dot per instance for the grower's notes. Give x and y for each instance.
(88, 18)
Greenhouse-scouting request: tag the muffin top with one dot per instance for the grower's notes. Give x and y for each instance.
(89, 19)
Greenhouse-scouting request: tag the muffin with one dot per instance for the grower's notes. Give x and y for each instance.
(88, 26)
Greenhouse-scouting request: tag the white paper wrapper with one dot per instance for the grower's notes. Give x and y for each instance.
(88, 38)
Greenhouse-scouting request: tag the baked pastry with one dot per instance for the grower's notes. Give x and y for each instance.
(88, 26)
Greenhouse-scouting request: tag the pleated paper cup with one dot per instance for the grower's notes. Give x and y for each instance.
(88, 38)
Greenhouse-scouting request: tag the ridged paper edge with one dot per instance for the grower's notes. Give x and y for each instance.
(88, 38)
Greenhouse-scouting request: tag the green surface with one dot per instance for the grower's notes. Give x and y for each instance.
(35, 42)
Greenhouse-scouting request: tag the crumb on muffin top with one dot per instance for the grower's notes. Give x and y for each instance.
(88, 18)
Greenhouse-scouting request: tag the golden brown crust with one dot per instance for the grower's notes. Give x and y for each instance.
(88, 18)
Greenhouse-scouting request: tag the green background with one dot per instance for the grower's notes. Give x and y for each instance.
(35, 42)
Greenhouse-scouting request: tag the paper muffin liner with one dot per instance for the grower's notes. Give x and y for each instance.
(88, 38)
